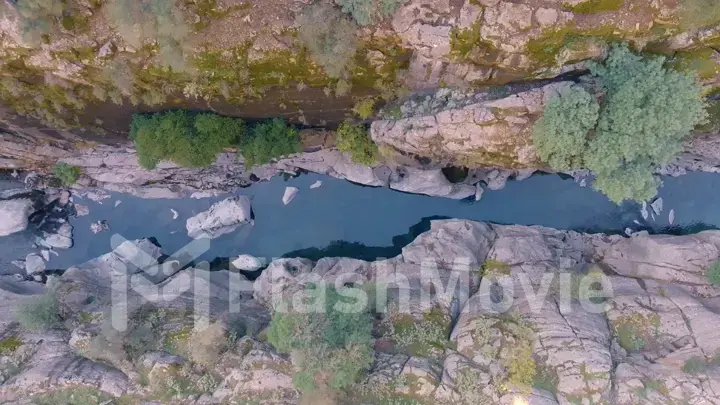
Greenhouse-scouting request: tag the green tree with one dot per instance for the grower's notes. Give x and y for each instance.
(269, 140)
(67, 174)
(647, 111)
(355, 140)
(190, 140)
(560, 135)
(330, 348)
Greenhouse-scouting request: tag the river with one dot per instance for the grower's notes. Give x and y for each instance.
(344, 219)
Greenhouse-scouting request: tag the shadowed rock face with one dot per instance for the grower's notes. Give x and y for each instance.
(660, 316)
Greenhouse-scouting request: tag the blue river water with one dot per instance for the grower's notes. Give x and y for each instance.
(344, 219)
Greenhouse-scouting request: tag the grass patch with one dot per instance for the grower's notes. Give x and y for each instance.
(635, 332)
(494, 267)
(713, 273)
(695, 365)
(9, 345)
(39, 313)
(73, 396)
(698, 61)
(426, 338)
(596, 6)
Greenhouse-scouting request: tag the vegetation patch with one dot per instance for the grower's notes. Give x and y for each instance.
(39, 313)
(427, 337)
(596, 6)
(66, 173)
(331, 349)
(636, 331)
(73, 396)
(701, 62)
(713, 273)
(695, 365)
(190, 140)
(365, 108)
(9, 345)
(330, 37)
(494, 267)
(646, 113)
(269, 140)
(355, 140)
(367, 12)
(696, 14)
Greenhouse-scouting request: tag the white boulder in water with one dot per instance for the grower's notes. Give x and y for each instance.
(81, 210)
(248, 263)
(671, 216)
(657, 205)
(315, 185)
(118, 202)
(221, 218)
(644, 211)
(45, 255)
(14, 215)
(478, 191)
(175, 213)
(290, 193)
(34, 264)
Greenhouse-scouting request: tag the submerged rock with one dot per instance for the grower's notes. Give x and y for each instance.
(290, 193)
(222, 217)
(81, 210)
(315, 185)
(174, 213)
(644, 210)
(99, 226)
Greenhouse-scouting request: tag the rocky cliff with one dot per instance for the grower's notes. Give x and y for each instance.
(539, 316)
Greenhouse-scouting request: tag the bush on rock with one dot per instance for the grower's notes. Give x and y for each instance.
(330, 348)
(646, 112)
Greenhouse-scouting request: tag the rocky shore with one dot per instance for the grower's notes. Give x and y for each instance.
(486, 137)
(654, 342)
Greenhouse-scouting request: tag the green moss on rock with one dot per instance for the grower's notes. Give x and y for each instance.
(9, 345)
(596, 6)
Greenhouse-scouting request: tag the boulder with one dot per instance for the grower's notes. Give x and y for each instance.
(248, 263)
(289, 195)
(221, 218)
(14, 215)
(34, 264)
(61, 239)
(481, 133)
(429, 182)
(678, 259)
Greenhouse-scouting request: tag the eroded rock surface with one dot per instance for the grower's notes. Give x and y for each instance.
(536, 339)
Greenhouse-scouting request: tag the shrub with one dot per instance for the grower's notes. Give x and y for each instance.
(713, 273)
(365, 108)
(161, 21)
(190, 140)
(355, 140)
(695, 365)
(330, 37)
(646, 113)
(330, 348)
(67, 174)
(269, 140)
(39, 313)
(560, 135)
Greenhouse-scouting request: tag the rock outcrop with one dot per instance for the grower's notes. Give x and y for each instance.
(14, 215)
(516, 302)
(221, 218)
